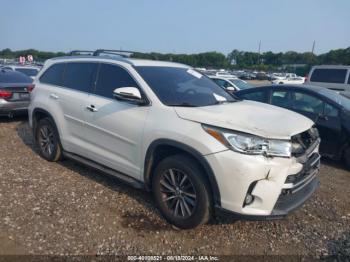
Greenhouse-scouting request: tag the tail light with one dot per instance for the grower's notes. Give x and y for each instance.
(306, 77)
(5, 94)
(30, 88)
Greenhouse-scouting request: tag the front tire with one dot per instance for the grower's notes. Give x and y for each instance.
(47, 140)
(181, 192)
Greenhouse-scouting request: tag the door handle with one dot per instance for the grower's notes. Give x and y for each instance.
(54, 96)
(91, 108)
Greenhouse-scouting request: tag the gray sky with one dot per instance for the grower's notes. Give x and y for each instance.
(179, 26)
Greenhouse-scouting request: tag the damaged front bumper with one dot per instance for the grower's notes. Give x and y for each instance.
(276, 185)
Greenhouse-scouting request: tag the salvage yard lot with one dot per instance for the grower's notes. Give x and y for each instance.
(66, 208)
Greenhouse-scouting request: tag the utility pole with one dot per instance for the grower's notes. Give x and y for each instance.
(313, 47)
(259, 51)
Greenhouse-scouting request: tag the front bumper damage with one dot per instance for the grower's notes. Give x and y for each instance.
(278, 185)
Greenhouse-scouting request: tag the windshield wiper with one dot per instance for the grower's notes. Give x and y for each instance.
(182, 105)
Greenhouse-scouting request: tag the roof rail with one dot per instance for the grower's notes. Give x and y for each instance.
(81, 52)
(122, 53)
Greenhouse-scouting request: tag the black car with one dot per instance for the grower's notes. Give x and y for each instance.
(14, 92)
(329, 110)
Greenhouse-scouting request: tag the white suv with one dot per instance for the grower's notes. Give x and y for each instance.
(169, 129)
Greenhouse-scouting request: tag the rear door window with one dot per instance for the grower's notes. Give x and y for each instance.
(80, 76)
(329, 75)
(330, 110)
(111, 77)
(53, 75)
(307, 103)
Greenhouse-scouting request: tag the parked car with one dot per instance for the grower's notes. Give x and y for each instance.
(289, 80)
(261, 76)
(167, 128)
(328, 109)
(30, 71)
(333, 77)
(225, 74)
(231, 84)
(14, 92)
(247, 76)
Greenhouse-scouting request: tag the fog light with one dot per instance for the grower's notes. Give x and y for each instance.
(248, 199)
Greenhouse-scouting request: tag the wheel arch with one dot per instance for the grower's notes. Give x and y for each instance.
(161, 148)
(37, 115)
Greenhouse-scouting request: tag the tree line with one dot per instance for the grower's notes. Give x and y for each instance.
(234, 60)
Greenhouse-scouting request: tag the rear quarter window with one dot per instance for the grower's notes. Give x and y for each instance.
(330, 75)
(53, 75)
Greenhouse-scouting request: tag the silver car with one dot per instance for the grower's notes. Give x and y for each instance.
(14, 92)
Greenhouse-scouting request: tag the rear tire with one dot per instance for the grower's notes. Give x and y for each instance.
(48, 141)
(181, 192)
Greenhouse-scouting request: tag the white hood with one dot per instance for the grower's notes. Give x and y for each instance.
(249, 117)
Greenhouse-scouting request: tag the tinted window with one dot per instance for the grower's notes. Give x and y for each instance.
(241, 84)
(307, 103)
(111, 77)
(80, 76)
(222, 83)
(280, 98)
(330, 110)
(53, 75)
(349, 79)
(176, 86)
(9, 76)
(259, 96)
(329, 75)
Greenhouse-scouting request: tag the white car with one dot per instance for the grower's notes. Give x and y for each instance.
(30, 71)
(230, 84)
(225, 74)
(289, 80)
(165, 127)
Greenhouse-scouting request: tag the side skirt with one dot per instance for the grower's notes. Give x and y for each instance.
(90, 163)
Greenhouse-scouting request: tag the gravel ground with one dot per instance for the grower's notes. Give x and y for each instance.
(66, 208)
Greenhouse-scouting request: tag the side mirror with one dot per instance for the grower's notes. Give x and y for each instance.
(129, 94)
(230, 88)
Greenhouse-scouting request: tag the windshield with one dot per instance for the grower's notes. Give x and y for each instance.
(241, 84)
(28, 71)
(183, 87)
(340, 99)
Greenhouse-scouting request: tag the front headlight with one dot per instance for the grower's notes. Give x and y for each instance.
(250, 144)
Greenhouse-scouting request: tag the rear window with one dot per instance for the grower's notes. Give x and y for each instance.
(53, 75)
(28, 71)
(79, 76)
(9, 76)
(329, 75)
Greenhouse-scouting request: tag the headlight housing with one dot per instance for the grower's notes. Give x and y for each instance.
(250, 144)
